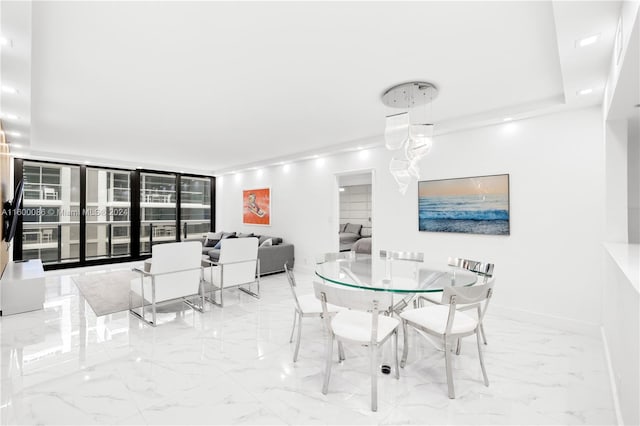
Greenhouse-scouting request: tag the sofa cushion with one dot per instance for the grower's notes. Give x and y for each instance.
(352, 228)
(341, 227)
(215, 236)
(241, 235)
(229, 236)
(210, 242)
(365, 231)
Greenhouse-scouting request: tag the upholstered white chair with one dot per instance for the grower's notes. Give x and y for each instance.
(445, 322)
(175, 273)
(361, 324)
(306, 305)
(485, 274)
(238, 265)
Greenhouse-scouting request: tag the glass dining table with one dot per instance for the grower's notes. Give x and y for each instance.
(397, 276)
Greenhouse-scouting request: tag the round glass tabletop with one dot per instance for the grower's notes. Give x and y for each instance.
(398, 276)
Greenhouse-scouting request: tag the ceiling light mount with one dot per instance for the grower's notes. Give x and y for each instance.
(409, 95)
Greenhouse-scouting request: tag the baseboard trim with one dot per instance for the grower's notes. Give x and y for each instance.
(550, 321)
(612, 378)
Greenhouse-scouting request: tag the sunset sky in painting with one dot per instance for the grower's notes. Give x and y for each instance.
(465, 186)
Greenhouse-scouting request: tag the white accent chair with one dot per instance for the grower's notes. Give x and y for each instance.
(449, 324)
(306, 306)
(238, 265)
(175, 273)
(483, 270)
(361, 324)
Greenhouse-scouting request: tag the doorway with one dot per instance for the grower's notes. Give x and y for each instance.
(355, 211)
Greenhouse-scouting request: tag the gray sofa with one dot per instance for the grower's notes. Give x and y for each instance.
(272, 258)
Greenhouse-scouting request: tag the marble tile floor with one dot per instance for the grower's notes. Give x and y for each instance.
(62, 365)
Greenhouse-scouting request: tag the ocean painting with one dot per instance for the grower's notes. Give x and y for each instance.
(472, 205)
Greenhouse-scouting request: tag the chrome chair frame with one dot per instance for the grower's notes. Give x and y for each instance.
(470, 296)
(373, 344)
(407, 256)
(298, 314)
(153, 276)
(215, 288)
(482, 269)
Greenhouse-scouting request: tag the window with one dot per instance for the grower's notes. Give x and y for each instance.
(157, 210)
(51, 207)
(65, 228)
(107, 213)
(195, 206)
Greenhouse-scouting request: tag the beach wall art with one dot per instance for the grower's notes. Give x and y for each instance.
(256, 206)
(470, 205)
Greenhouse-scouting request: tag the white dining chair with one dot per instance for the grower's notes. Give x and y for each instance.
(306, 305)
(446, 322)
(485, 274)
(361, 323)
(392, 256)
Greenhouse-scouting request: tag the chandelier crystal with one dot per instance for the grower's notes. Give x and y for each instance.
(416, 139)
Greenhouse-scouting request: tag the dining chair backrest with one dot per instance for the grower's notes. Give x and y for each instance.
(412, 256)
(330, 257)
(483, 269)
(292, 284)
(361, 300)
(468, 296)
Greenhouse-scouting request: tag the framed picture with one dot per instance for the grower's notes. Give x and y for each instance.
(470, 205)
(256, 206)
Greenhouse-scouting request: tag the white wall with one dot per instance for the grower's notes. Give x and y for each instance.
(550, 264)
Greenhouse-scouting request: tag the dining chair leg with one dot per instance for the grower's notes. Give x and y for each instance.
(295, 354)
(447, 361)
(395, 352)
(374, 377)
(295, 316)
(341, 356)
(484, 371)
(327, 371)
(484, 336)
(405, 348)
(458, 344)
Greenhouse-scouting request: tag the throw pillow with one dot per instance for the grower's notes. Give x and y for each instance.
(227, 237)
(365, 231)
(352, 228)
(241, 235)
(209, 242)
(266, 243)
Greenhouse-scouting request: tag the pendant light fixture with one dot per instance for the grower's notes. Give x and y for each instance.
(416, 138)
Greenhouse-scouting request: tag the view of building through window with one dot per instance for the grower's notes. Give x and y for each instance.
(108, 213)
(51, 212)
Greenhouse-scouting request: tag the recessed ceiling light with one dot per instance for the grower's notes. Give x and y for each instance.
(586, 41)
(507, 119)
(16, 134)
(585, 91)
(87, 162)
(8, 89)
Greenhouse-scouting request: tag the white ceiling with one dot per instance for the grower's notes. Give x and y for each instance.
(211, 87)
